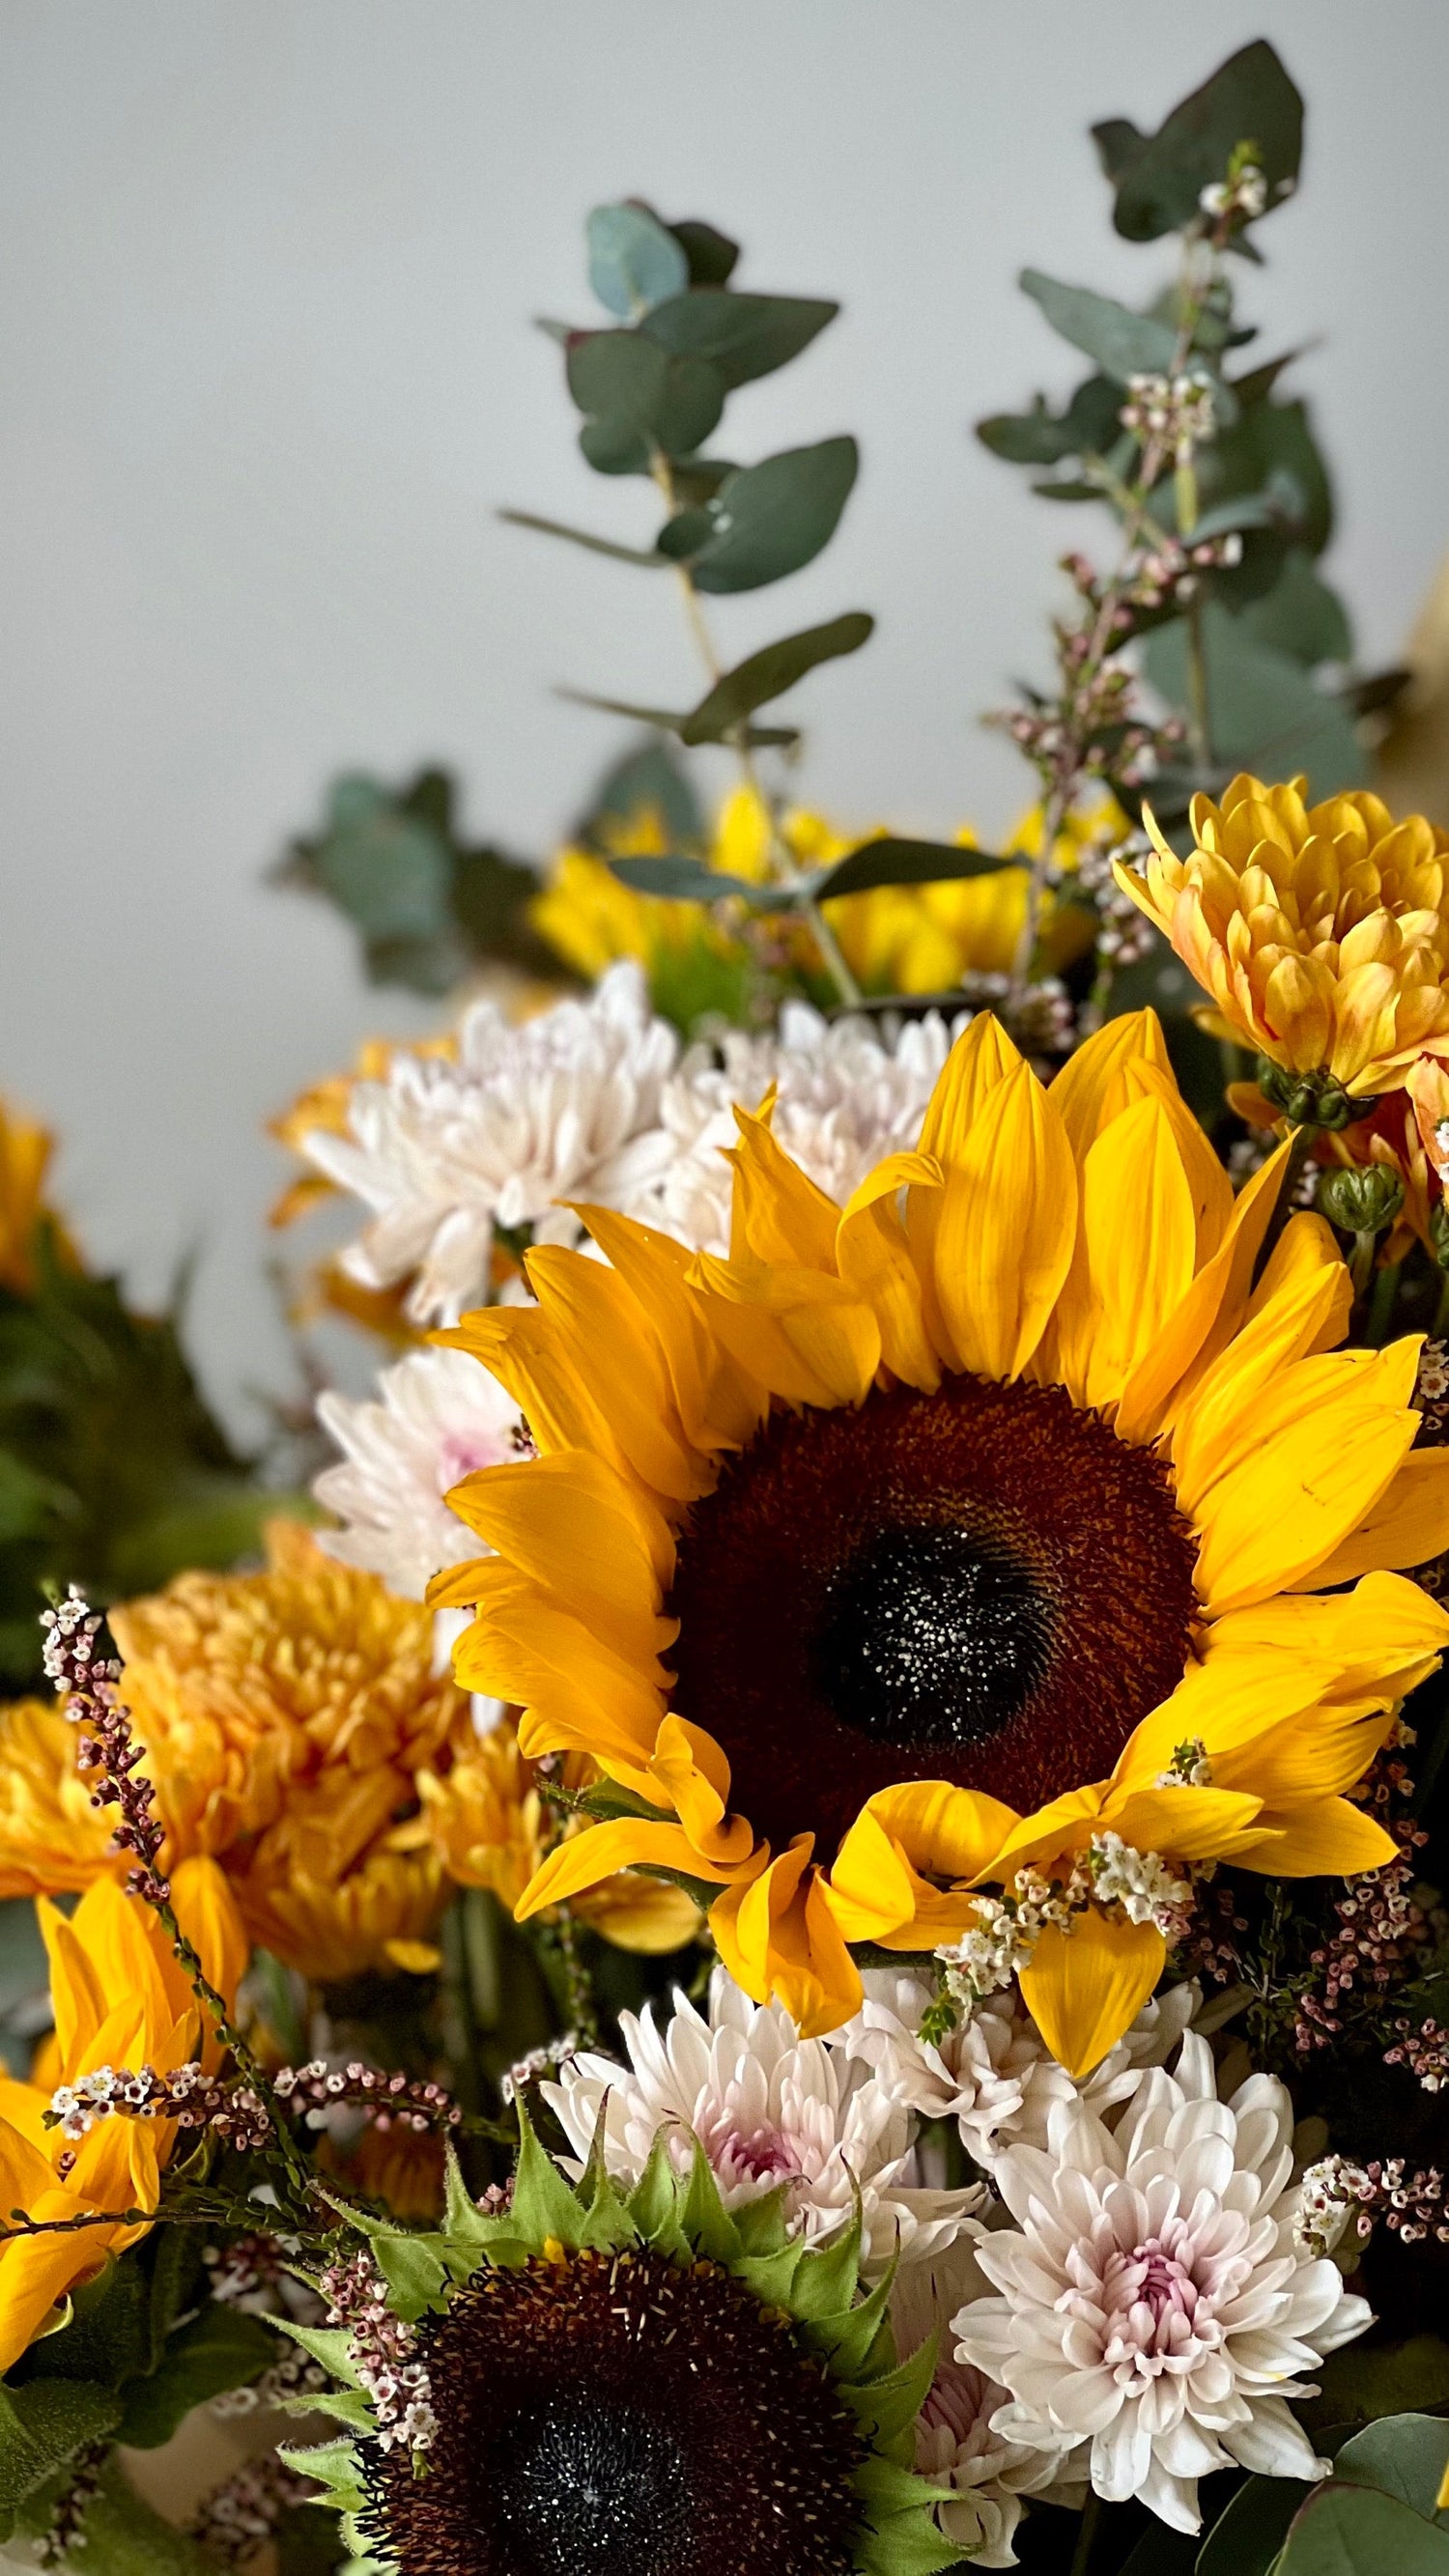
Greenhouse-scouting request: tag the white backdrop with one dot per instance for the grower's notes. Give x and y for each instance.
(267, 274)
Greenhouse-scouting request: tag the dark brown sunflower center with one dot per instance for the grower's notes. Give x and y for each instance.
(622, 2416)
(984, 1586)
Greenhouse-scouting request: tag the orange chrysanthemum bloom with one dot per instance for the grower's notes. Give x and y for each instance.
(1320, 932)
(25, 1152)
(285, 1716)
(904, 1555)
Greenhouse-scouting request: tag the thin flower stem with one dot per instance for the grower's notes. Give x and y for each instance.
(1440, 1326)
(1304, 1140)
(582, 2009)
(1087, 2536)
(1381, 1309)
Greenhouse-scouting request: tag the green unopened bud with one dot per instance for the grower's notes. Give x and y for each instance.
(1311, 1099)
(1360, 1198)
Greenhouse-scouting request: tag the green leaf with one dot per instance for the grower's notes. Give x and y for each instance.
(1265, 713)
(1247, 2537)
(412, 2268)
(1355, 2531)
(644, 555)
(41, 2429)
(651, 779)
(123, 2537)
(888, 860)
(1249, 99)
(386, 870)
(1118, 143)
(711, 254)
(1122, 343)
(108, 2338)
(770, 519)
(771, 672)
(1300, 615)
(331, 2345)
(686, 534)
(634, 260)
(690, 881)
(1404, 2456)
(1271, 446)
(704, 2218)
(1038, 437)
(757, 736)
(221, 2348)
(640, 397)
(744, 336)
(543, 2203)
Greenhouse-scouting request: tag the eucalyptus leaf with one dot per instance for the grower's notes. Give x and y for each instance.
(689, 881)
(1265, 713)
(888, 860)
(1246, 2538)
(711, 254)
(770, 519)
(650, 778)
(1357, 2531)
(770, 672)
(686, 534)
(637, 397)
(1039, 437)
(1404, 2456)
(580, 537)
(744, 336)
(1122, 343)
(759, 737)
(634, 260)
(1300, 615)
(1248, 99)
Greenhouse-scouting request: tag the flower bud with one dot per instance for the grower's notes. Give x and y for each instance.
(1360, 1198)
(1310, 1099)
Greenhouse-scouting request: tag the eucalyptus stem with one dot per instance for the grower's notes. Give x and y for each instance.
(1199, 724)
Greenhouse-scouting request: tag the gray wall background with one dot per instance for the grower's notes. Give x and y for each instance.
(267, 274)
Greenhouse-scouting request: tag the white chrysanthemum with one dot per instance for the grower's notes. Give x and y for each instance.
(564, 1106)
(439, 1415)
(994, 2074)
(957, 2445)
(768, 2107)
(1156, 2302)
(846, 1095)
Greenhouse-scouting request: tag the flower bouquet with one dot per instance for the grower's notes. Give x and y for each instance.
(791, 1926)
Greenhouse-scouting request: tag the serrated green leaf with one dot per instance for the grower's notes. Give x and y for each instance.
(890, 860)
(1404, 2456)
(1356, 2531)
(1248, 99)
(770, 519)
(857, 2339)
(703, 2216)
(331, 2345)
(891, 2403)
(829, 2275)
(906, 2545)
(335, 2466)
(744, 336)
(1122, 343)
(413, 2269)
(634, 261)
(543, 2203)
(581, 537)
(762, 2225)
(221, 2348)
(890, 2490)
(711, 254)
(771, 672)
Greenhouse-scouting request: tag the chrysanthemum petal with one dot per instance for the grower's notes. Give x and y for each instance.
(1083, 1988)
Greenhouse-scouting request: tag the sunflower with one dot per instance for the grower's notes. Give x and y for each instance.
(1321, 933)
(646, 2385)
(25, 1152)
(119, 2000)
(987, 1534)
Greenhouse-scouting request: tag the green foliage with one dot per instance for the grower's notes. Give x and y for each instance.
(220, 2348)
(1159, 178)
(121, 2536)
(772, 671)
(42, 2427)
(113, 1471)
(771, 519)
(428, 904)
(1377, 2511)
(1267, 714)
(1123, 344)
(634, 260)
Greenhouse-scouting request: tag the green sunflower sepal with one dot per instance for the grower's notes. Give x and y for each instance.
(841, 2330)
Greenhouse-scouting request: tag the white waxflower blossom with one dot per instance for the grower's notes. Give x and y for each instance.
(994, 2074)
(442, 1150)
(956, 2443)
(847, 1094)
(438, 1415)
(1155, 2301)
(768, 2107)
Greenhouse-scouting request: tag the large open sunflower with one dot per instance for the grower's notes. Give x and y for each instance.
(913, 1546)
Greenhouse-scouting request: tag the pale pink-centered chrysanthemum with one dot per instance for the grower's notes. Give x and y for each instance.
(446, 1149)
(957, 2445)
(994, 2074)
(1156, 2302)
(438, 1415)
(768, 2108)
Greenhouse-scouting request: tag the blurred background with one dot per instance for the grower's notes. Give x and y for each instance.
(266, 289)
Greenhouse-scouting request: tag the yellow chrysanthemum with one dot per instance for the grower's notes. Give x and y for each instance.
(903, 939)
(285, 1716)
(1320, 932)
(491, 1828)
(903, 1551)
(53, 1841)
(120, 2000)
(25, 1152)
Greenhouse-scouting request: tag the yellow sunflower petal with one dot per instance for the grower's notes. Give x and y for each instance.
(574, 1690)
(1331, 1839)
(1137, 1216)
(809, 1339)
(1091, 1088)
(598, 1325)
(780, 1938)
(569, 1522)
(873, 1257)
(1406, 1526)
(1188, 1823)
(780, 1213)
(1301, 1307)
(587, 1859)
(1083, 1988)
(945, 1831)
(1205, 1317)
(693, 1773)
(720, 1406)
(1005, 1229)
